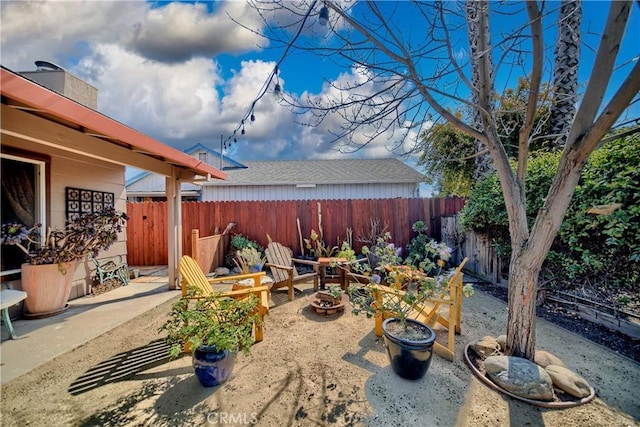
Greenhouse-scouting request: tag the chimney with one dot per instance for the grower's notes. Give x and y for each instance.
(59, 80)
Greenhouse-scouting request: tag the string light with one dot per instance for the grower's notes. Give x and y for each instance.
(323, 18)
(277, 90)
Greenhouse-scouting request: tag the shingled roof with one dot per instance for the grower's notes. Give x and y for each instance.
(333, 171)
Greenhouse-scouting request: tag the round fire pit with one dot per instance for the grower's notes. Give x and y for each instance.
(326, 304)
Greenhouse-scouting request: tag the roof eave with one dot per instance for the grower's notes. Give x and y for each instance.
(20, 89)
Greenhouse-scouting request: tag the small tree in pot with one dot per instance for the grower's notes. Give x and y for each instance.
(406, 288)
(48, 272)
(215, 328)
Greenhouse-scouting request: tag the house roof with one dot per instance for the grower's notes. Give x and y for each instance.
(27, 106)
(334, 171)
(227, 164)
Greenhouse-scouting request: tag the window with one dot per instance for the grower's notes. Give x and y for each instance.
(202, 156)
(23, 201)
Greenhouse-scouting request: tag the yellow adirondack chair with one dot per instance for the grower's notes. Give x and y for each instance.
(431, 311)
(283, 269)
(192, 275)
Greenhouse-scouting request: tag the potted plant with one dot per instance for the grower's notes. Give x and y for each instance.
(237, 244)
(47, 274)
(249, 260)
(409, 342)
(216, 328)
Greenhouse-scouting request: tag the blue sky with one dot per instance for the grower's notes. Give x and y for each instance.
(185, 73)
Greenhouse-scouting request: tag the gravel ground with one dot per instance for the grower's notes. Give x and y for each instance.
(310, 370)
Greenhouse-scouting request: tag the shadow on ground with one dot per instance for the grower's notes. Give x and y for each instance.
(123, 366)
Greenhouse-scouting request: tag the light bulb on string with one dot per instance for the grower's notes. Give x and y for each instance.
(323, 18)
(243, 127)
(277, 90)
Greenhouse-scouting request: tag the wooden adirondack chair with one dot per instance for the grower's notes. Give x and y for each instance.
(192, 275)
(431, 311)
(280, 260)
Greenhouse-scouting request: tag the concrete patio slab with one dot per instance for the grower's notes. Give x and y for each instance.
(41, 340)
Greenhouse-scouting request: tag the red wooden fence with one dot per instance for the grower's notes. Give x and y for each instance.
(147, 225)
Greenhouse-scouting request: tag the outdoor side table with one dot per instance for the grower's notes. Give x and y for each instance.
(341, 277)
(8, 298)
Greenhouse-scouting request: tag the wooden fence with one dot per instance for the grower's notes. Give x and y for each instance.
(147, 225)
(477, 247)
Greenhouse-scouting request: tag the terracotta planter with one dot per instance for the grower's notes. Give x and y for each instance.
(48, 287)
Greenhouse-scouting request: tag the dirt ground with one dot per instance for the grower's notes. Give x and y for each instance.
(309, 371)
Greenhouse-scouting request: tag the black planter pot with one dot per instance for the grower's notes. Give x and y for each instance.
(212, 367)
(410, 357)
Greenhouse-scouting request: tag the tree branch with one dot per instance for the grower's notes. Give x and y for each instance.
(535, 23)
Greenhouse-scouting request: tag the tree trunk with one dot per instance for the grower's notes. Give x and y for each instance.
(478, 28)
(565, 74)
(521, 330)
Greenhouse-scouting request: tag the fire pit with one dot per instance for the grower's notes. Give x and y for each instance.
(326, 304)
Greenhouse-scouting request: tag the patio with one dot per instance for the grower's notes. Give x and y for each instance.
(309, 370)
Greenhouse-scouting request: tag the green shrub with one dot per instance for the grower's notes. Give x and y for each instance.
(599, 240)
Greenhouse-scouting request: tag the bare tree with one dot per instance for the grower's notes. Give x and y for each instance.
(410, 69)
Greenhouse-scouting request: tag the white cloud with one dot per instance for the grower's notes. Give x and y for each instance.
(156, 72)
(61, 31)
(167, 101)
(180, 31)
(65, 31)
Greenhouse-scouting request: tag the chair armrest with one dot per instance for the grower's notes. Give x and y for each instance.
(305, 261)
(245, 292)
(280, 267)
(235, 278)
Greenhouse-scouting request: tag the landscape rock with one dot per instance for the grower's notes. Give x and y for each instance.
(222, 271)
(544, 359)
(567, 380)
(485, 346)
(502, 342)
(520, 377)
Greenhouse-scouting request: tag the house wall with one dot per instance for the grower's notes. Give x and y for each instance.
(215, 193)
(73, 170)
(151, 182)
(151, 187)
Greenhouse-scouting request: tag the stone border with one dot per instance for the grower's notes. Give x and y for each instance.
(541, 403)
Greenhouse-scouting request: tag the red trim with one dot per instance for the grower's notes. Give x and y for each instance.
(33, 95)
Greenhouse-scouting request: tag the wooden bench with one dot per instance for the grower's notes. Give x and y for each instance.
(9, 298)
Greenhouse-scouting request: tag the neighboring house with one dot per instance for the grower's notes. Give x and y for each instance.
(148, 186)
(317, 179)
(333, 179)
(52, 145)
